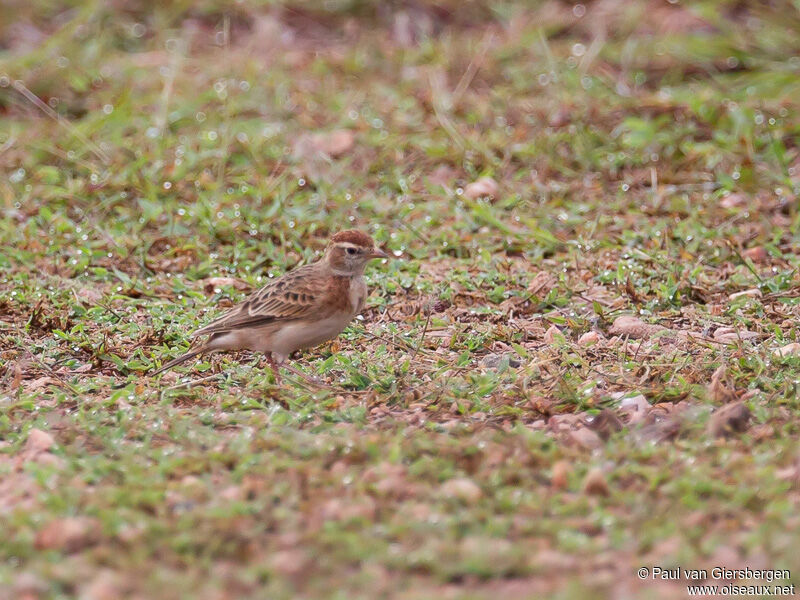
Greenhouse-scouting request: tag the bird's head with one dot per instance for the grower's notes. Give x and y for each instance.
(349, 251)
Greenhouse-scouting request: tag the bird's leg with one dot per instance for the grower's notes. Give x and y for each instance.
(275, 367)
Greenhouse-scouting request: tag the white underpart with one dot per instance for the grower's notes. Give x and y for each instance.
(305, 334)
(357, 292)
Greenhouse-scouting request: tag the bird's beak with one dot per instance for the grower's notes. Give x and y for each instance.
(378, 253)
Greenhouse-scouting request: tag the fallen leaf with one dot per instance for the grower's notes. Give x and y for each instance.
(733, 201)
(553, 561)
(462, 489)
(718, 388)
(206, 179)
(442, 175)
(16, 382)
(179, 263)
(39, 441)
(635, 406)
(752, 293)
(333, 144)
(594, 484)
(791, 472)
(341, 509)
(493, 361)
(634, 327)
(105, 585)
(560, 476)
(671, 19)
(390, 480)
(232, 493)
(631, 291)
(213, 284)
(605, 424)
(586, 438)
(560, 118)
(589, 338)
(336, 143)
(541, 284)
(48, 459)
(440, 306)
(29, 585)
(730, 419)
(68, 535)
(552, 334)
(660, 429)
(22, 36)
(39, 383)
(757, 254)
(289, 563)
(485, 186)
(730, 334)
(89, 295)
(792, 349)
(564, 422)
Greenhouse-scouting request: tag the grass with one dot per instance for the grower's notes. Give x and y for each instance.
(641, 170)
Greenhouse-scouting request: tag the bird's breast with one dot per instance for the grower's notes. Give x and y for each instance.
(357, 294)
(347, 294)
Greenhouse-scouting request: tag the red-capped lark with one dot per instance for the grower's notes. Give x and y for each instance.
(303, 308)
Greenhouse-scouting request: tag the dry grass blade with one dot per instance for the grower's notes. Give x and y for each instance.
(472, 68)
(20, 87)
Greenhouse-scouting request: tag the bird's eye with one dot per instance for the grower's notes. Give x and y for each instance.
(350, 250)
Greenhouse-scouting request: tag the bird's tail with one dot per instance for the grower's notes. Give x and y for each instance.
(181, 359)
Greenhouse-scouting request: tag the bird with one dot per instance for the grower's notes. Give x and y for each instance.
(303, 308)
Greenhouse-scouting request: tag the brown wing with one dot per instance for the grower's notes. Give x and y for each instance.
(295, 295)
